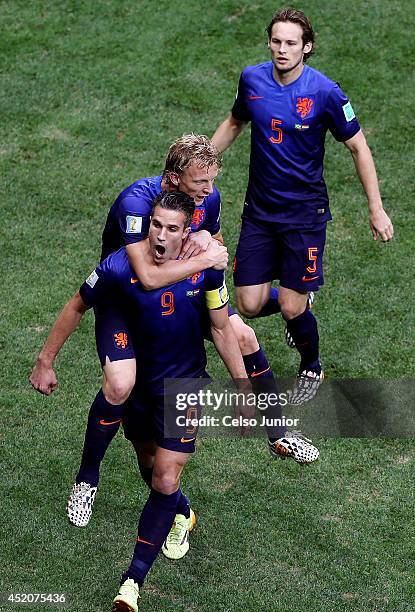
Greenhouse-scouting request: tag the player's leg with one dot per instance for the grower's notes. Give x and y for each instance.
(154, 524)
(142, 427)
(118, 379)
(255, 266)
(258, 370)
(253, 270)
(118, 363)
(251, 299)
(146, 453)
(302, 326)
(302, 271)
(281, 442)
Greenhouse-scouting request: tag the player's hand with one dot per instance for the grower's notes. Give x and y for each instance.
(43, 378)
(380, 225)
(218, 255)
(196, 243)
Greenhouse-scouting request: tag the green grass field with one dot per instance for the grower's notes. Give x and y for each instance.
(92, 94)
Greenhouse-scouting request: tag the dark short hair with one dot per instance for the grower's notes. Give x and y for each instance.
(295, 16)
(178, 201)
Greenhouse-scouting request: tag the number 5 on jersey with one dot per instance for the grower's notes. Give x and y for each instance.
(167, 302)
(279, 133)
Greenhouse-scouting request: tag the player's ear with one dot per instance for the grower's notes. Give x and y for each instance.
(186, 233)
(174, 179)
(307, 47)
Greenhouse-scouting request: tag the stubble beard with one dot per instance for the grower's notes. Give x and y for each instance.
(288, 70)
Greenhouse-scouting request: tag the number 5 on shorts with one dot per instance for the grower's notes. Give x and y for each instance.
(312, 256)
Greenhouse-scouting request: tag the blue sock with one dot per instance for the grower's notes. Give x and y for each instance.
(272, 306)
(183, 505)
(103, 423)
(263, 381)
(154, 525)
(256, 364)
(304, 331)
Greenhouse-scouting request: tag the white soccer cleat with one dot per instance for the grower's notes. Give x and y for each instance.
(294, 446)
(308, 383)
(288, 337)
(80, 502)
(176, 544)
(127, 598)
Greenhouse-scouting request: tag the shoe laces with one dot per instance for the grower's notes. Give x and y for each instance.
(82, 488)
(176, 533)
(297, 435)
(130, 584)
(309, 375)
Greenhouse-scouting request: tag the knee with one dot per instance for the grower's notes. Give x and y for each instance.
(247, 339)
(117, 390)
(291, 310)
(166, 482)
(248, 306)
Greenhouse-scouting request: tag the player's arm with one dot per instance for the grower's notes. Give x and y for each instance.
(222, 333)
(153, 277)
(43, 377)
(380, 224)
(227, 132)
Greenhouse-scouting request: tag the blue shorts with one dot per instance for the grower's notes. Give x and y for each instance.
(143, 421)
(111, 334)
(269, 251)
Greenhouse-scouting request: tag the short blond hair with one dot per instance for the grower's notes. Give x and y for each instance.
(191, 148)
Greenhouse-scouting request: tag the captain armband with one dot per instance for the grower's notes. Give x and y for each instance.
(216, 298)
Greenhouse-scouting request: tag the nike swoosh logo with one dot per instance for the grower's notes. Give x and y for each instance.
(255, 97)
(309, 279)
(185, 440)
(259, 373)
(102, 422)
(133, 280)
(145, 542)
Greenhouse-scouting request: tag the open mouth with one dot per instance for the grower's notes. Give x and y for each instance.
(160, 250)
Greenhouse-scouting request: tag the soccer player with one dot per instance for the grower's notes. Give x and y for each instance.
(167, 331)
(291, 106)
(191, 166)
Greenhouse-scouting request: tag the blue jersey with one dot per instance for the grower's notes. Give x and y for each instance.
(128, 220)
(166, 325)
(289, 125)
